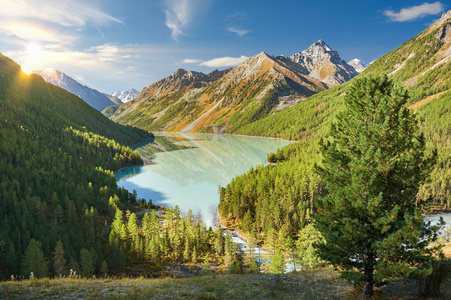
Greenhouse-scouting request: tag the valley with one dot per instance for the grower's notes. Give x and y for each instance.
(341, 170)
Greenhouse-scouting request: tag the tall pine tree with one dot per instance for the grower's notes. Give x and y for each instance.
(373, 165)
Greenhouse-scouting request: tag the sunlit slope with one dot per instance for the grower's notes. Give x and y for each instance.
(218, 102)
(422, 65)
(55, 155)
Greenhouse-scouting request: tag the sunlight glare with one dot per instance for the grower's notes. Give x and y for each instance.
(34, 50)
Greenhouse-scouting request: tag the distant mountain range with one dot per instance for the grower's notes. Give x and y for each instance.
(125, 96)
(91, 96)
(226, 100)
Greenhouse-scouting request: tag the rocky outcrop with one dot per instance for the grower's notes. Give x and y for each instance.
(181, 79)
(320, 61)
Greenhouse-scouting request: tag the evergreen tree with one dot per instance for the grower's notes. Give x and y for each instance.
(104, 268)
(194, 256)
(186, 253)
(277, 265)
(219, 243)
(86, 263)
(34, 260)
(373, 166)
(59, 262)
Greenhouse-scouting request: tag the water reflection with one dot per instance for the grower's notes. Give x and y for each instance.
(190, 178)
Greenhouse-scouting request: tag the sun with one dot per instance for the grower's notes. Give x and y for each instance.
(34, 50)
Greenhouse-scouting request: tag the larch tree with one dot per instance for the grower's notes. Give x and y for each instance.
(373, 163)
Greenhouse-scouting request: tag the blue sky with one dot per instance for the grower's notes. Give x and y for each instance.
(122, 44)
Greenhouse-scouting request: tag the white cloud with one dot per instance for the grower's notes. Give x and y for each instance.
(191, 61)
(47, 22)
(63, 13)
(224, 61)
(238, 31)
(179, 14)
(414, 12)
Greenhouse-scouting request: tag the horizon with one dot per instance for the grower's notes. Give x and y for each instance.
(119, 47)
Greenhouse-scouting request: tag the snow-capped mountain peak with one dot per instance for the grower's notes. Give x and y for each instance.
(126, 96)
(91, 96)
(358, 64)
(320, 61)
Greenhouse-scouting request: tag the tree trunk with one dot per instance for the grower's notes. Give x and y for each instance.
(367, 292)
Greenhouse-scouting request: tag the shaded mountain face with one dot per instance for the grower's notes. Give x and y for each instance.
(91, 96)
(358, 65)
(320, 61)
(125, 96)
(221, 101)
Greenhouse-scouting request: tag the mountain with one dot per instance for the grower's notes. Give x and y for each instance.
(422, 65)
(91, 96)
(58, 155)
(221, 101)
(358, 65)
(125, 96)
(320, 61)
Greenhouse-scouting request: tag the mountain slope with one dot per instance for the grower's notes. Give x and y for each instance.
(91, 96)
(421, 64)
(288, 190)
(56, 153)
(221, 101)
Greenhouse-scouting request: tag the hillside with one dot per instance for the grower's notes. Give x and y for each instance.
(309, 284)
(57, 153)
(421, 64)
(91, 96)
(221, 101)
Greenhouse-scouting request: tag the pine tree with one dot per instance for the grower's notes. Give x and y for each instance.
(34, 260)
(219, 242)
(277, 265)
(59, 262)
(194, 256)
(104, 268)
(86, 263)
(373, 165)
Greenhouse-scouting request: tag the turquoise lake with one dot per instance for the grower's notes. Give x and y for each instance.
(190, 178)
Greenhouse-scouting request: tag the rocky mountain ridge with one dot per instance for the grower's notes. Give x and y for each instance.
(91, 96)
(220, 101)
(320, 61)
(223, 101)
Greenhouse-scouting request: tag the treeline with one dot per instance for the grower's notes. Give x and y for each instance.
(164, 237)
(274, 203)
(56, 159)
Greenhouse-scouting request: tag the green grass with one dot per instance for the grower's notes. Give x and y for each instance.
(309, 284)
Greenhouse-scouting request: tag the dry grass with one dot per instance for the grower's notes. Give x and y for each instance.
(317, 284)
(447, 250)
(425, 100)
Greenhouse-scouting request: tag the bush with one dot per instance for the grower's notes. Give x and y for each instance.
(429, 285)
(235, 268)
